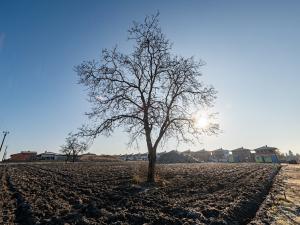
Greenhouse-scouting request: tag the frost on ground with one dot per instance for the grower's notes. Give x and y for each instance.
(282, 206)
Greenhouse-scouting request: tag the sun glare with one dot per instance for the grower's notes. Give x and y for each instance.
(201, 120)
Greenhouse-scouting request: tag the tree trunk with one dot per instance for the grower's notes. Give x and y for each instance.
(74, 156)
(151, 165)
(151, 153)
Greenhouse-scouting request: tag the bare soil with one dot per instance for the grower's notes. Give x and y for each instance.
(107, 193)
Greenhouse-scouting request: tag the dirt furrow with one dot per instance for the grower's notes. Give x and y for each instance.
(83, 193)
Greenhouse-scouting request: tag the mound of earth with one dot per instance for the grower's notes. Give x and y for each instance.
(175, 157)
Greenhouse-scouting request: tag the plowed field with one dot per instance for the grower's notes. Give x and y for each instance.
(107, 193)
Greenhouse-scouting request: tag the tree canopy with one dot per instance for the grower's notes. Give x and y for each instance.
(73, 147)
(151, 92)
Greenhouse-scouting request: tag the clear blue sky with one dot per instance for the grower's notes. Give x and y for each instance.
(251, 48)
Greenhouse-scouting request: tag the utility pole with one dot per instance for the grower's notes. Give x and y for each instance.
(4, 155)
(4, 136)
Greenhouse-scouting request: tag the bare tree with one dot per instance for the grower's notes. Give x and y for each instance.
(73, 147)
(152, 93)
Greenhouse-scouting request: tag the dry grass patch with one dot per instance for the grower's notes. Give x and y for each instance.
(140, 173)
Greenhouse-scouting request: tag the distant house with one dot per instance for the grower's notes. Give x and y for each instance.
(47, 156)
(266, 154)
(220, 155)
(60, 157)
(242, 155)
(158, 154)
(128, 157)
(230, 158)
(134, 157)
(51, 156)
(24, 156)
(143, 156)
(201, 155)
